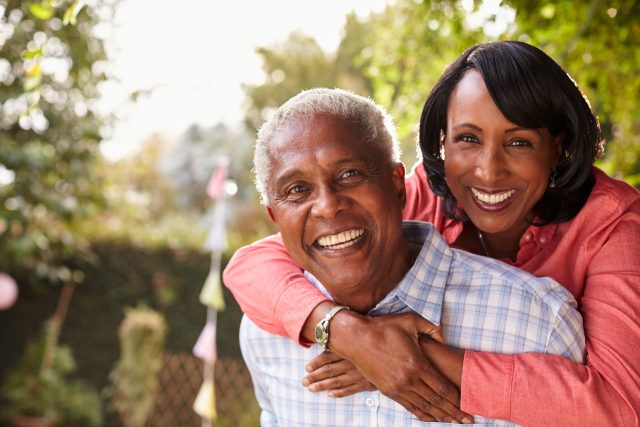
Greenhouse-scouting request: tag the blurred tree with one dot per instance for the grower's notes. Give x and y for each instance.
(140, 204)
(49, 133)
(190, 163)
(598, 43)
(298, 63)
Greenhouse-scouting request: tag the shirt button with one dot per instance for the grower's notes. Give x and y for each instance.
(527, 237)
(543, 240)
(370, 401)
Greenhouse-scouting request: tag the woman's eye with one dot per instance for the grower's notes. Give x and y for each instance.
(467, 138)
(520, 143)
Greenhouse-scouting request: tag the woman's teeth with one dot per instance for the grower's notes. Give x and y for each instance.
(494, 198)
(340, 240)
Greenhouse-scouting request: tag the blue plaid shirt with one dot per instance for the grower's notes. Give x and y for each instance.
(481, 303)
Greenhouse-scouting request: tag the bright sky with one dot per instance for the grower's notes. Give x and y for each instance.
(196, 53)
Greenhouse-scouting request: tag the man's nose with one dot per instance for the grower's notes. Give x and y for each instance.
(328, 202)
(490, 165)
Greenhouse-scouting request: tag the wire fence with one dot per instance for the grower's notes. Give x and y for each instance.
(180, 380)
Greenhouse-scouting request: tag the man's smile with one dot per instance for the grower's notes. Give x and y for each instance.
(341, 240)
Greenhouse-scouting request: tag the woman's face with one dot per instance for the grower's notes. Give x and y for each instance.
(495, 169)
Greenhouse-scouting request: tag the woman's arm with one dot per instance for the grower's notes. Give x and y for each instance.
(534, 389)
(271, 290)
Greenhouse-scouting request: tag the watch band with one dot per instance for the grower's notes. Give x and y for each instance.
(321, 333)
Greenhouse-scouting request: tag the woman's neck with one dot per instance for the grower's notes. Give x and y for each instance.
(493, 245)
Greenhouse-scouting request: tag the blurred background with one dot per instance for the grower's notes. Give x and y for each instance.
(115, 114)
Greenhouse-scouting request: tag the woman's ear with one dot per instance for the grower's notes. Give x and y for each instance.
(558, 148)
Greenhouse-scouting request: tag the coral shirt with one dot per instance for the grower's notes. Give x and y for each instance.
(596, 256)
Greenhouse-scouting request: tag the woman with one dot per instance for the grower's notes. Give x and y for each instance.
(508, 143)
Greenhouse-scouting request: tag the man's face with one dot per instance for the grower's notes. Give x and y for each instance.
(337, 203)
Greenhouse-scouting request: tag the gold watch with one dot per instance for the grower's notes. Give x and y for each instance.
(321, 333)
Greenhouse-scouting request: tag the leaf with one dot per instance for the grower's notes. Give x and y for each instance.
(32, 82)
(41, 11)
(72, 12)
(35, 70)
(32, 53)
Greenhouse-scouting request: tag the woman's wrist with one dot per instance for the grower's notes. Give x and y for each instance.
(448, 360)
(318, 313)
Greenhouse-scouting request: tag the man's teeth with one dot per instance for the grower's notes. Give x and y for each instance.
(492, 199)
(340, 240)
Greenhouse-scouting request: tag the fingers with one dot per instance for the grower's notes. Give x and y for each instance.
(352, 389)
(430, 406)
(329, 371)
(441, 394)
(422, 416)
(427, 328)
(340, 376)
(324, 358)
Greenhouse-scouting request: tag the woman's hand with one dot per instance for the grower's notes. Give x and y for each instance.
(328, 371)
(386, 350)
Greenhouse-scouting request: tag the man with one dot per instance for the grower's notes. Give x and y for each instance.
(327, 169)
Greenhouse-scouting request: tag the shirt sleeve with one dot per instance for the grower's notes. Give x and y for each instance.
(536, 389)
(272, 290)
(567, 336)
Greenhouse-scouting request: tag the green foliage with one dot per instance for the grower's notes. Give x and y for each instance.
(140, 205)
(50, 393)
(598, 43)
(244, 412)
(135, 378)
(300, 63)
(49, 134)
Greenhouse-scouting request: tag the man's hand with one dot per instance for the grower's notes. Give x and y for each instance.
(386, 350)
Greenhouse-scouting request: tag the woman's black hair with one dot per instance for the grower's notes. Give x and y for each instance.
(532, 91)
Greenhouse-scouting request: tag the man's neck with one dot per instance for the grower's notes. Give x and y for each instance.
(370, 295)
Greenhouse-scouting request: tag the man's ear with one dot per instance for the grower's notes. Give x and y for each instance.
(398, 182)
(272, 215)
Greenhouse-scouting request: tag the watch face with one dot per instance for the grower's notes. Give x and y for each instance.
(320, 335)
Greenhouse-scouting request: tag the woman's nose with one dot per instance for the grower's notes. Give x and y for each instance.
(490, 165)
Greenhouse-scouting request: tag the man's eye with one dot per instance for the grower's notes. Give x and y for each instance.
(350, 173)
(296, 190)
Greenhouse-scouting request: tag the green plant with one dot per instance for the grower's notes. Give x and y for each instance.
(48, 391)
(135, 377)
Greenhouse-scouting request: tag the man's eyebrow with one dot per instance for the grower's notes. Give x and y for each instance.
(286, 177)
(352, 160)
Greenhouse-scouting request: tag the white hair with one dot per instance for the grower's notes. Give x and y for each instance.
(374, 122)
